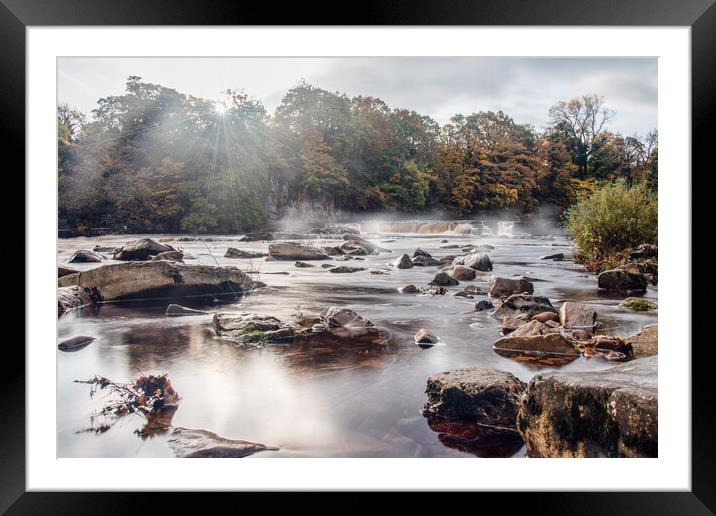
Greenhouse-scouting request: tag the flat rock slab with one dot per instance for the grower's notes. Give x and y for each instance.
(540, 344)
(609, 413)
(189, 443)
(159, 279)
(75, 343)
(233, 252)
(485, 396)
(295, 251)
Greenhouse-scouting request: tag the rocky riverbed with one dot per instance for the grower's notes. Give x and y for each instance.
(264, 349)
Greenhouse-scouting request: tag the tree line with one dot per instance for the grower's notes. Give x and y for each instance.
(156, 160)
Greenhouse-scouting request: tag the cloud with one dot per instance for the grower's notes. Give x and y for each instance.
(524, 88)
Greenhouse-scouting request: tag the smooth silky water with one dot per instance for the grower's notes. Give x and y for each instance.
(313, 401)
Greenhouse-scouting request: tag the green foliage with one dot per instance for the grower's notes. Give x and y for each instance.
(616, 217)
(156, 160)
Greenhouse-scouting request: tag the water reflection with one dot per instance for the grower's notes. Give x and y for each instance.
(312, 400)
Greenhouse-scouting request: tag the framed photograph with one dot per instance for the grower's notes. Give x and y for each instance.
(417, 253)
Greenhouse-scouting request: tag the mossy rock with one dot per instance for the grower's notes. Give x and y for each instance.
(639, 304)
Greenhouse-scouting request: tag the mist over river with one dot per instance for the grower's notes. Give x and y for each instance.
(308, 401)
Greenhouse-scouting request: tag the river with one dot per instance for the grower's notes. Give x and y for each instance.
(314, 402)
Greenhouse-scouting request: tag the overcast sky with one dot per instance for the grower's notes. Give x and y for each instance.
(524, 88)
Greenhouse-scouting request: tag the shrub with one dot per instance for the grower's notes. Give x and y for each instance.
(614, 218)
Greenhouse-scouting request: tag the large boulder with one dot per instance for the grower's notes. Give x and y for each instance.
(462, 273)
(421, 252)
(524, 305)
(478, 261)
(234, 324)
(608, 413)
(189, 443)
(646, 342)
(577, 315)
(84, 256)
(162, 279)
(621, 280)
(486, 396)
(504, 287)
(142, 249)
(295, 251)
(233, 252)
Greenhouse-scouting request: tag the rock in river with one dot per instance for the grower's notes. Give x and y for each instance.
(343, 269)
(540, 344)
(189, 443)
(577, 315)
(75, 343)
(83, 256)
(424, 336)
(520, 304)
(408, 288)
(503, 287)
(555, 257)
(425, 261)
(69, 298)
(141, 249)
(620, 280)
(646, 342)
(404, 262)
(295, 251)
(443, 279)
(65, 271)
(478, 261)
(345, 325)
(162, 279)
(608, 413)
(421, 252)
(483, 305)
(462, 273)
(486, 396)
(233, 252)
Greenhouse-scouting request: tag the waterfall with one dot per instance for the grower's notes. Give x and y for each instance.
(504, 228)
(438, 227)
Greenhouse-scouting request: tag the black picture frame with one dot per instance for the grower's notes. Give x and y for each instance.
(700, 15)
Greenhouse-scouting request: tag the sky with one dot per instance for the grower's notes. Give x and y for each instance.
(440, 87)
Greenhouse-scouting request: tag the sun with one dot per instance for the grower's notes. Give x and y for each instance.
(220, 108)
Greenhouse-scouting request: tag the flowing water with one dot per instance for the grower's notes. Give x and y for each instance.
(316, 402)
